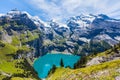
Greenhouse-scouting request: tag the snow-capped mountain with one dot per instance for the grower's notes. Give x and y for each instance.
(91, 26)
(81, 21)
(23, 17)
(73, 36)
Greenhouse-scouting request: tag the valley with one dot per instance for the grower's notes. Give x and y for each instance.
(94, 38)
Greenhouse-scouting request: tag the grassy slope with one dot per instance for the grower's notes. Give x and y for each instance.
(9, 66)
(17, 68)
(18, 78)
(103, 71)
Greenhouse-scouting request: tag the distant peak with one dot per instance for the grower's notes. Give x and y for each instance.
(103, 16)
(53, 20)
(92, 15)
(15, 9)
(82, 15)
(15, 12)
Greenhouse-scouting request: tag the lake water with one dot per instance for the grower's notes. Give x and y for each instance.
(43, 64)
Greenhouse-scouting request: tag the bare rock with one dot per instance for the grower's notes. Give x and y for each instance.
(94, 61)
(117, 78)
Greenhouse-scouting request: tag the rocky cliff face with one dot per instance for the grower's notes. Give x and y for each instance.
(82, 34)
(21, 30)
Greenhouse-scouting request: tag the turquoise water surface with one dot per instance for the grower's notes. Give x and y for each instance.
(43, 64)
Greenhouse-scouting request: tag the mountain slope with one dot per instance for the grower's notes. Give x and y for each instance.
(82, 30)
(71, 37)
(10, 66)
(96, 72)
(108, 70)
(17, 46)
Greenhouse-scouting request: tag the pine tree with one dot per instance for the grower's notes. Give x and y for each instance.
(61, 63)
(53, 68)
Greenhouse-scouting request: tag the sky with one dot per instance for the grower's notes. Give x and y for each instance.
(61, 10)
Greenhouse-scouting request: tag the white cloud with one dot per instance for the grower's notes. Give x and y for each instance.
(61, 9)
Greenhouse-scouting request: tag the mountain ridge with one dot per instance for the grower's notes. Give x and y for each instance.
(78, 30)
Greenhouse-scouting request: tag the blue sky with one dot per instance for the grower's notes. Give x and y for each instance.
(62, 9)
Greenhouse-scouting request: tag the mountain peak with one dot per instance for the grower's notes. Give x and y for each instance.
(14, 12)
(103, 16)
(17, 12)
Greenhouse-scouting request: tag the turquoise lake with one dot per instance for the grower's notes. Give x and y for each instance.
(43, 64)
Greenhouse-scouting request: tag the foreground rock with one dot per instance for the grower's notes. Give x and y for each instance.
(98, 60)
